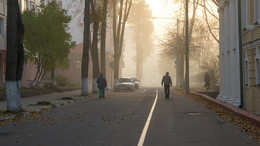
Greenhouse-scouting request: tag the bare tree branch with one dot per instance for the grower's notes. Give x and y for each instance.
(205, 13)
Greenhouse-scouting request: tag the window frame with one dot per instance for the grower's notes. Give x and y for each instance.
(246, 70)
(257, 66)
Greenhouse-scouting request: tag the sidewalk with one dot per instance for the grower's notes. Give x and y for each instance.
(29, 104)
(243, 114)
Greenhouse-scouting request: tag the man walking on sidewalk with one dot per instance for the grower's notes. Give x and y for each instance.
(102, 84)
(167, 82)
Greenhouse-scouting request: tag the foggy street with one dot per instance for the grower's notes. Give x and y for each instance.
(120, 118)
(62, 61)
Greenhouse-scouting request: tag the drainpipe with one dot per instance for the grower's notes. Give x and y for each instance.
(240, 55)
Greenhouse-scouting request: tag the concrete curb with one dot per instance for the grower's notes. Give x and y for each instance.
(245, 115)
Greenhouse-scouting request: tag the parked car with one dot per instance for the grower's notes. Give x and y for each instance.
(137, 82)
(124, 84)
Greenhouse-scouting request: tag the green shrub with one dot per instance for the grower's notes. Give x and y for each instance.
(2, 90)
(61, 80)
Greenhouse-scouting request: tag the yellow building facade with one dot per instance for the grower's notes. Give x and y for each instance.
(251, 54)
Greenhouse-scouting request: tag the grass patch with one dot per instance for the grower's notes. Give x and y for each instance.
(43, 103)
(69, 87)
(66, 98)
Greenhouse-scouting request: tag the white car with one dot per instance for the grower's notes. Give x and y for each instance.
(124, 84)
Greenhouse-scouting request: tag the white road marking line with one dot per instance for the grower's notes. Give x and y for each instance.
(142, 138)
(143, 91)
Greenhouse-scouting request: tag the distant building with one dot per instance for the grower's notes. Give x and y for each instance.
(229, 52)
(251, 54)
(73, 74)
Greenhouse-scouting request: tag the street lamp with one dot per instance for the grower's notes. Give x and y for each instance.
(187, 86)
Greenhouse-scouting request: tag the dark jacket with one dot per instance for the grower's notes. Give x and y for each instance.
(102, 83)
(207, 79)
(166, 80)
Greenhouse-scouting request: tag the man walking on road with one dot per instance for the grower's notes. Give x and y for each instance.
(167, 82)
(102, 84)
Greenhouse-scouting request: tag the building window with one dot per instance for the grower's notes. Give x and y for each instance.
(1, 26)
(60, 4)
(32, 5)
(27, 5)
(257, 70)
(257, 66)
(246, 77)
(244, 8)
(256, 11)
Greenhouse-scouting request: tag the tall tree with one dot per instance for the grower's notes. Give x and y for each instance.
(86, 44)
(97, 14)
(121, 12)
(140, 20)
(96, 18)
(103, 37)
(47, 41)
(15, 56)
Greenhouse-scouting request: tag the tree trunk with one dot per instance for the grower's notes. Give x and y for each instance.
(119, 30)
(116, 68)
(181, 71)
(15, 56)
(103, 39)
(52, 78)
(85, 55)
(95, 54)
(138, 58)
(95, 58)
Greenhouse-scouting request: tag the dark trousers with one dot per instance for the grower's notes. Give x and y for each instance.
(167, 91)
(101, 92)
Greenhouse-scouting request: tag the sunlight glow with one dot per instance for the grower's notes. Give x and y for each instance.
(161, 8)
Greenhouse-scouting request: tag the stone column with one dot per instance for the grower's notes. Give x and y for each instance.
(231, 50)
(237, 69)
(226, 55)
(221, 46)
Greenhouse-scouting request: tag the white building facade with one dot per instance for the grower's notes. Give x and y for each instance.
(229, 52)
(251, 54)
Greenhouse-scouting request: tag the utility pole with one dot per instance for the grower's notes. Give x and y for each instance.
(187, 86)
(177, 62)
(240, 55)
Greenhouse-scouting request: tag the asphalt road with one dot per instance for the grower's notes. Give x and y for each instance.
(119, 120)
